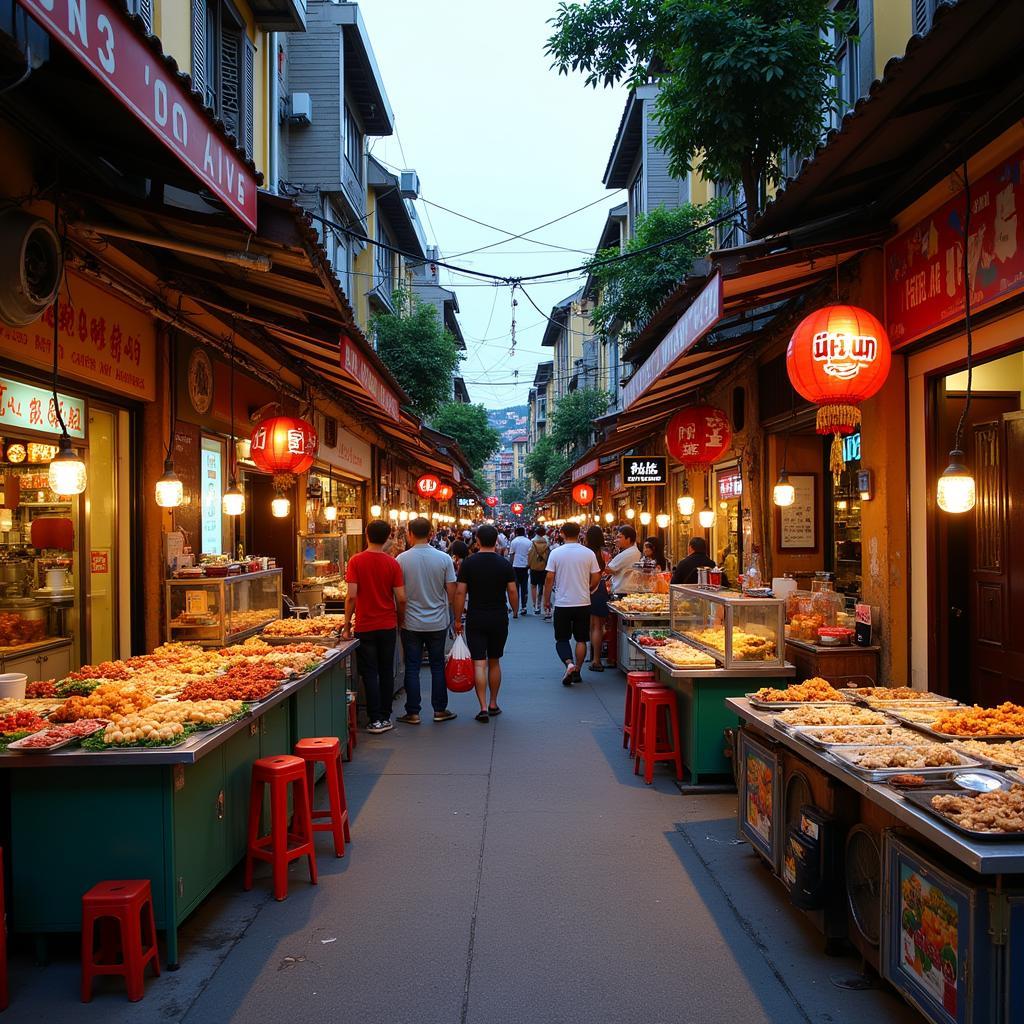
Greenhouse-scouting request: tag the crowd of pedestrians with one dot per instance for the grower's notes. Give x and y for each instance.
(423, 587)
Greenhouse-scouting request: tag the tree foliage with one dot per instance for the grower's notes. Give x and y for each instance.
(546, 463)
(574, 415)
(418, 350)
(469, 425)
(633, 289)
(741, 80)
(514, 492)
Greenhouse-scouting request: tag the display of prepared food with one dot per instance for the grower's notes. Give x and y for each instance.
(917, 714)
(865, 735)
(106, 701)
(641, 604)
(680, 654)
(892, 694)
(654, 638)
(810, 691)
(1006, 720)
(1009, 754)
(12, 705)
(745, 646)
(41, 688)
(925, 755)
(56, 737)
(239, 622)
(839, 714)
(318, 625)
(1000, 812)
(166, 724)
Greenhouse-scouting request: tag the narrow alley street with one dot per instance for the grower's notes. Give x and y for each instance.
(509, 872)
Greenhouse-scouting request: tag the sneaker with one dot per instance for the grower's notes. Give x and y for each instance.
(378, 726)
(547, 616)
(577, 676)
(444, 716)
(410, 719)
(570, 676)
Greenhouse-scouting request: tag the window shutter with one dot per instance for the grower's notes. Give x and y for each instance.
(199, 47)
(922, 16)
(231, 82)
(144, 9)
(248, 105)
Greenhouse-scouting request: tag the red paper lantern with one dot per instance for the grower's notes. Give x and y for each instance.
(284, 444)
(838, 357)
(517, 508)
(428, 485)
(492, 501)
(698, 435)
(583, 494)
(444, 492)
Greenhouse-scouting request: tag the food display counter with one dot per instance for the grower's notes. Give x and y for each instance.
(221, 610)
(175, 814)
(633, 612)
(937, 909)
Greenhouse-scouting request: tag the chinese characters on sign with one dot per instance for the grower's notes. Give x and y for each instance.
(102, 341)
(22, 405)
(698, 436)
(924, 265)
(100, 37)
(644, 470)
(99, 562)
(730, 485)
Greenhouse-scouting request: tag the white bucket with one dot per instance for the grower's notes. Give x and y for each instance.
(12, 684)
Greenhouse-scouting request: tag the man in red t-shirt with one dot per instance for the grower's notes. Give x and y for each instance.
(376, 596)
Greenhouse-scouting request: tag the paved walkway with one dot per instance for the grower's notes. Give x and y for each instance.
(509, 872)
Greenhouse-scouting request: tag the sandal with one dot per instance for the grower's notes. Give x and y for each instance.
(596, 668)
(483, 717)
(494, 711)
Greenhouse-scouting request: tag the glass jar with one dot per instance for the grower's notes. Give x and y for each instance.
(826, 604)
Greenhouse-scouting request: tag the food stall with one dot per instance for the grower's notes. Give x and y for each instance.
(923, 841)
(636, 612)
(143, 767)
(720, 643)
(220, 605)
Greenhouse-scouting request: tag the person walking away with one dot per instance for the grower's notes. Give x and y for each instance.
(628, 555)
(654, 551)
(537, 562)
(487, 580)
(572, 573)
(599, 610)
(376, 603)
(458, 552)
(429, 577)
(519, 550)
(686, 570)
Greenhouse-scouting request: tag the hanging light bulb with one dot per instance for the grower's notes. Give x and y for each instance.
(707, 517)
(784, 493)
(645, 518)
(686, 505)
(243, 449)
(233, 502)
(280, 507)
(331, 512)
(663, 519)
(393, 515)
(67, 470)
(956, 492)
(169, 490)
(403, 516)
(630, 513)
(609, 517)
(375, 511)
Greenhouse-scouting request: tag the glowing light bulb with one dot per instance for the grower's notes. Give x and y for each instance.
(393, 515)
(645, 518)
(375, 511)
(784, 493)
(280, 507)
(330, 512)
(233, 502)
(707, 517)
(956, 493)
(686, 505)
(169, 489)
(663, 519)
(67, 470)
(630, 513)
(609, 517)
(403, 516)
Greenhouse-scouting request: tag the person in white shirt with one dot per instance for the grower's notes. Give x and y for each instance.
(628, 555)
(519, 551)
(572, 573)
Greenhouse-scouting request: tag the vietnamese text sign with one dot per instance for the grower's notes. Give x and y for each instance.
(704, 312)
(588, 468)
(798, 522)
(924, 265)
(644, 470)
(103, 341)
(22, 405)
(353, 363)
(99, 35)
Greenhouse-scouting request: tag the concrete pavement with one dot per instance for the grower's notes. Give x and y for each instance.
(509, 872)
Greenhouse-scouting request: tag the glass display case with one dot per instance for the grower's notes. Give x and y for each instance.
(733, 629)
(321, 558)
(222, 610)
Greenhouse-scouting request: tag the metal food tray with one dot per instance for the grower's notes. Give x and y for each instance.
(989, 761)
(634, 614)
(923, 801)
(785, 705)
(18, 749)
(952, 736)
(330, 640)
(839, 754)
(925, 699)
(809, 733)
(677, 671)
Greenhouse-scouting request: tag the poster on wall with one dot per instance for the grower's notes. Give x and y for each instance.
(797, 523)
(211, 475)
(760, 798)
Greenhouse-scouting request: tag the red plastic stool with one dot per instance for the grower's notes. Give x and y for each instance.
(650, 747)
(634, 680)
(124, 910)
(281, 846)
(328, 750)
(353, 723)
(4, 999)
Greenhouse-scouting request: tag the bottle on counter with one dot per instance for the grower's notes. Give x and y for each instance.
(752, 578)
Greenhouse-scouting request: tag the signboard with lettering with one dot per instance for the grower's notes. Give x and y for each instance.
(354, 364)
(924, 265)
(103, 341)
(23, 407)
(588, 468)
(730, 484)
(99, 562)
(797, 523)
(100, 36)
(644, 470)
(704, 312)
(348, 453)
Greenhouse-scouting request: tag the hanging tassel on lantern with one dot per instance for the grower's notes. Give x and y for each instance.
(837, 420)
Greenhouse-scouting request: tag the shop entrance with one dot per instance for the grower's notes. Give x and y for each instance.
(979, 556)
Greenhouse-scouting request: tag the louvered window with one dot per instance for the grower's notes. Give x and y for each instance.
(144, 9)
(924, 14)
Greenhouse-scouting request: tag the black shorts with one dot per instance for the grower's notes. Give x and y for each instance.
(573, 622)
(537, 577)
(486, 633)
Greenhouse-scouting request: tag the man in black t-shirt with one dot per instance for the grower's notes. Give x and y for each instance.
(487, 579)
(686, 570)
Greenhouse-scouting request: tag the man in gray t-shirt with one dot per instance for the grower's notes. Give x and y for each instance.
(429, 587)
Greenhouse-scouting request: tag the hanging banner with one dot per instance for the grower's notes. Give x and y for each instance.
(354, 364)
(588, 468)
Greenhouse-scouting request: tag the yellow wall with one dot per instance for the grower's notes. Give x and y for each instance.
(363, 263)
(892, 32)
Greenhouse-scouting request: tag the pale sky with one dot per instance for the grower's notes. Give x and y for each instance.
(494, 134)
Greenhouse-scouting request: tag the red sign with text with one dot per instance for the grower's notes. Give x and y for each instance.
(924, 266)
(100, 36)
(353, 363)
(99, 562)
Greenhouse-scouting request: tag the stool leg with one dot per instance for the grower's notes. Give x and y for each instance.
(131, 943)
(255, 810)
(334, 803)
(279, 839)
(149, 919)
(651, 745)
(626, 717)
(346, 831)
(88, 926)
(635, 718)
(304, 814)
(640, 713)
(677, 745)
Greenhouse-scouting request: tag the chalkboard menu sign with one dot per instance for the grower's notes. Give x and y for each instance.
(797, 523)
(185, 452)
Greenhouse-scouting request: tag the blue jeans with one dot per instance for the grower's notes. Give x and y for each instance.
(412, 644)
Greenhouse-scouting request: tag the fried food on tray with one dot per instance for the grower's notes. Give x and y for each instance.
(840, 714)
(1005, 720)
(653, 604)
(1005, 753)
(921, 715)
(745, 646)
(677, 653)
(810, 690)
(929, 755)
(999, 811)
(889, 693)
(891, 736)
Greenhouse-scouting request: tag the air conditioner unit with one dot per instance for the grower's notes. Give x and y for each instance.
(300, 108)
(31, 266)
(409, 185)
